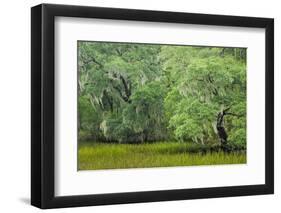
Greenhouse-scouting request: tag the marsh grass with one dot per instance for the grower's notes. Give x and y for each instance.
(93, 156)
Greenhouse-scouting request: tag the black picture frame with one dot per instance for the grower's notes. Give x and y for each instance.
(43, 102)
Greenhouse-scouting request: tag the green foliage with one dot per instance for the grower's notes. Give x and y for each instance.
(209, 85)
(192, 120)
(89, 120)
(145, 114)
(136, 93)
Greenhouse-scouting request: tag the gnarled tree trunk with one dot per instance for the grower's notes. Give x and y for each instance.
(221, 129)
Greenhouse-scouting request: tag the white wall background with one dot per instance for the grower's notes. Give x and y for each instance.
(15, 105)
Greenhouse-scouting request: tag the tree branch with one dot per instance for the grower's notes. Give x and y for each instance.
(126, 86)
(124, 97)
(96, 62)
(118, 52)
(234, 114)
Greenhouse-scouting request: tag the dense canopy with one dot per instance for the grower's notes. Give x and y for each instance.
(137, 93)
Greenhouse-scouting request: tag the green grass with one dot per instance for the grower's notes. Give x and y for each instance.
(93, 156)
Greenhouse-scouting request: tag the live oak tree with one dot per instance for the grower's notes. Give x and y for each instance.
(211, 99)
(109, 76)
(139, 93)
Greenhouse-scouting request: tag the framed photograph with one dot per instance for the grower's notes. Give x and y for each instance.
(139, 106)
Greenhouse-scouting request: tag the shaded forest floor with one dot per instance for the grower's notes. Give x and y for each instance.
(92, 156)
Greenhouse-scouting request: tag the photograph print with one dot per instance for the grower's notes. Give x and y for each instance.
(160, 105)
